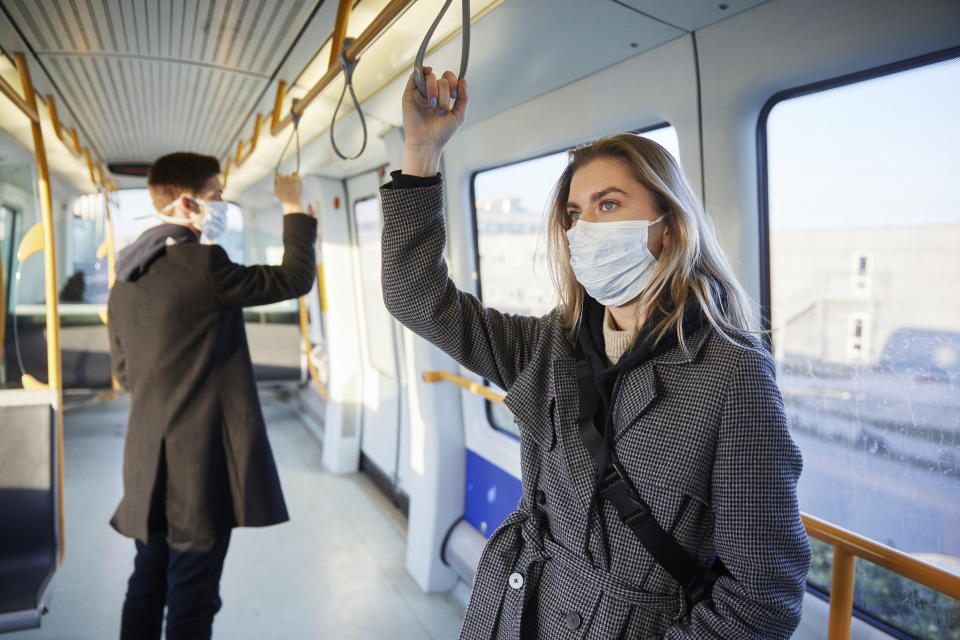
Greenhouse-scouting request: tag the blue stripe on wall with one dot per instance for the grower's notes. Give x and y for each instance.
(492, 494)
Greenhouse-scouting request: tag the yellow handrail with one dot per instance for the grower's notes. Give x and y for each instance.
(107, 249)
(54, 367)
(847, 546)
(70, 141)
(14, 96)
(305, 334)
(469, 385)
(29, 107)
(387, 16)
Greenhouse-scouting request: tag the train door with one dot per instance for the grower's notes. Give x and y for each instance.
(385, 440)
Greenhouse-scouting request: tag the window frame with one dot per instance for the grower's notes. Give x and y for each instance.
(488, 405)
(763, 213)
(394, 375)
(763, 191)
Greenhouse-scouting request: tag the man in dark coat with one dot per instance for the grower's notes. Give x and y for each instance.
(197, 461)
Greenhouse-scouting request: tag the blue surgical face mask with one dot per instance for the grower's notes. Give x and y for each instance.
(611, 259)
(211, 221)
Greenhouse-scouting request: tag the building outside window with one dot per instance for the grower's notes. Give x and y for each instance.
(864, 231)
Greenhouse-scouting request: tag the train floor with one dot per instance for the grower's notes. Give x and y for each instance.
(336, 570)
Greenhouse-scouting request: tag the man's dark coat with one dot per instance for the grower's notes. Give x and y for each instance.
(179, 348)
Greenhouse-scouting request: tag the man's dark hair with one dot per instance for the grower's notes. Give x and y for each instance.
(182, 169)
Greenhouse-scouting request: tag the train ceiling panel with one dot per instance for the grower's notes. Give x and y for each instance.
(689, 15)
(131, 71)
(526, 48)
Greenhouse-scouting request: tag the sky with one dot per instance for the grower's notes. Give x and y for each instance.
(885, 152)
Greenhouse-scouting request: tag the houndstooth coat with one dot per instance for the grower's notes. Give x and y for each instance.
(701, 432)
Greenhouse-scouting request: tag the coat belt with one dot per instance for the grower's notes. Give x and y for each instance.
(548, 550)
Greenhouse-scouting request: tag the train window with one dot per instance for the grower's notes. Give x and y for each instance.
(131, 211)
(863, 227)
(379, 324)
(510, 213)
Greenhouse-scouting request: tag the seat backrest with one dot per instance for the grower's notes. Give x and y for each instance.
(28, 507)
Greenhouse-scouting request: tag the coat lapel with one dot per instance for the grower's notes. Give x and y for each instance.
(640, 387)
(578, 462)
(638, 390)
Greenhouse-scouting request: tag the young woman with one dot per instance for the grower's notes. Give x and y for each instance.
(659, 479)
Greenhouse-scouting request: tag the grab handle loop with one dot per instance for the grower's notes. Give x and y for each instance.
(295, 119)
(348, 69)
(464, 49)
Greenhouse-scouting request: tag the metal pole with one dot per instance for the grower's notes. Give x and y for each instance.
(54, 370)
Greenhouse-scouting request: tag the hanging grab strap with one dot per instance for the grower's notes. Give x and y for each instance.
(296, 132)
(348, 68)
(464, 51)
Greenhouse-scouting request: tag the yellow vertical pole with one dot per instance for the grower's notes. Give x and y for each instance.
(54, 371)
(111, 265)
(111, 247)
(841, 594)
(275, 115)
(305, 335)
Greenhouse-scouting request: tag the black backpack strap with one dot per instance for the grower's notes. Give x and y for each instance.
(696, 580)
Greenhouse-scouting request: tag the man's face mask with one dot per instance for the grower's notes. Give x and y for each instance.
(211, 221)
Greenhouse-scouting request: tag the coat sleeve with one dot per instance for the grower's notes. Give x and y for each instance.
(118, 360)
(236, 285)
(418, 292)
(758, 533)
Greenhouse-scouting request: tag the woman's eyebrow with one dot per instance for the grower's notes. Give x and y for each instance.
(598, 195)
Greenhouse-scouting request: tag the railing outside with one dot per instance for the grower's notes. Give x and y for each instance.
(847, 546)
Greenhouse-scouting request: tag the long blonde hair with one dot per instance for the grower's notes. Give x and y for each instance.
(692, 264)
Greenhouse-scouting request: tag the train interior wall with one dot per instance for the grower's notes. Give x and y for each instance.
(710, 85)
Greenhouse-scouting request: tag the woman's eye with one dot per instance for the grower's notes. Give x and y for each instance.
(608, 205)
(574, 215)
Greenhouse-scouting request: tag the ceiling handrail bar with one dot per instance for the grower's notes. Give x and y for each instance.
(339, 31)
(58, 129)
(243, 154)
(276, 116)
(14, 96)
(387, 16)
(846, 544)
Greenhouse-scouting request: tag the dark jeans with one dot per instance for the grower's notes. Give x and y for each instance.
(188, 583)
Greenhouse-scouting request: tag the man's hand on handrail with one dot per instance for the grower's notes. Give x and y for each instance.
(289, 191)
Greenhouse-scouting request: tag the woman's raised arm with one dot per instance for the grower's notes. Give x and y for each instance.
(416, 288)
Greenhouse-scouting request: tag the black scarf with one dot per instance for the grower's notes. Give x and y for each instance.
(607, 377)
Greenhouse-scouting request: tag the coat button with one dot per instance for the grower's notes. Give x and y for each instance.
(516, 580)
(541, 497)
(572, 620)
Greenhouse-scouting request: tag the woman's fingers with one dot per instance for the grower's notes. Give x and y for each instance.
(463, 97)
(443, 96)
(432, 89)
(453, 84)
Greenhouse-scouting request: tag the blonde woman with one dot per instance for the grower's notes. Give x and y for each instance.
(659, 479)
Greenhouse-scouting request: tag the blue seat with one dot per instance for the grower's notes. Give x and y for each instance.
(28, 507)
